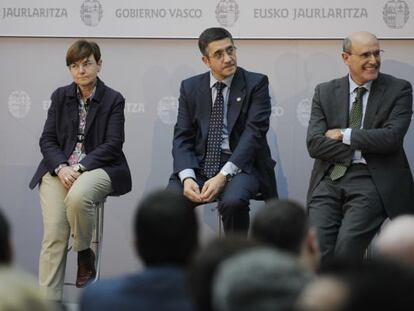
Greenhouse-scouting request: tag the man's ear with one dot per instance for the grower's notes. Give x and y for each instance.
(206, 60)
(345, 57)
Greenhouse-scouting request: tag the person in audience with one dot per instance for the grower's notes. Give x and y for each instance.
(5, 242)
(396, 240)
(325, 293)
(206, 262)
(284, 225)
(82, 164)
(263, 279)
(18, 290)
(350, 285)
(356, 133)
(166, 237)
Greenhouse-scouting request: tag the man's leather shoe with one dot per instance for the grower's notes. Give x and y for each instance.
(86, 269)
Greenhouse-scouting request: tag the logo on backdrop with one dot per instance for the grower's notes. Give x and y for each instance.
(134, 107)
(19, 104)
(396, 14)
(277, 111)
(91, 12)
(227, 12)
(167, 110)
(303, 111)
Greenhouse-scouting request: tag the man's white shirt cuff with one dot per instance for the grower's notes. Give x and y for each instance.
(186, 173)
(346, 137)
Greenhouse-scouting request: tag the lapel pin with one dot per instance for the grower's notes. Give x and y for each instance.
(238, 99)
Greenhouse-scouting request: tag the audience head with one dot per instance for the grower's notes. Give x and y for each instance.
(355, 285)
(5, 244)
(258, 280)
(396, 240)
(380, 285)
(205, 265)
(325, 293)
(166, 231)
(18, 291)
(284, 224)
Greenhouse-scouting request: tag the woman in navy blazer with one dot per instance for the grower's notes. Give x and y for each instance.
(82, 163)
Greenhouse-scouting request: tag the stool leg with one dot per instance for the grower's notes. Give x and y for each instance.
(98, 239)
(219, 225)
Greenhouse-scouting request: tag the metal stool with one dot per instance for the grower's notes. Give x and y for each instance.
(97, 238)
(219, 223)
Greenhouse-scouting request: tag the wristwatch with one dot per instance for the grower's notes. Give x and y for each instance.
(226, 176)
(78, 168)
(62, 165)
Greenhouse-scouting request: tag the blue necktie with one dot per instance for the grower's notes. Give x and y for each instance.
(215, 134)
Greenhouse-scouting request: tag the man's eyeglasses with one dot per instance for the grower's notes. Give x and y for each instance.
(84, 65)
(367, 55)
(230, 51)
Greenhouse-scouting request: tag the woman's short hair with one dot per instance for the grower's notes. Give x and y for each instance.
(82, 49)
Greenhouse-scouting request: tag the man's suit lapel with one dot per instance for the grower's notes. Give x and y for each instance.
(236, 99)
(377, 90)
(204, 95)
(342, 94)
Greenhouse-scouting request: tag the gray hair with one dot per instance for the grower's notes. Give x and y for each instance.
(258, 280)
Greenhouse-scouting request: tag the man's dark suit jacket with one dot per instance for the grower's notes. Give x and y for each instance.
(247, 123)
(103, 140)
(387, 118)
(155, 289)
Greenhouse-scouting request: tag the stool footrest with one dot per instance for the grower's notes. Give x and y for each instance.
(69, 284)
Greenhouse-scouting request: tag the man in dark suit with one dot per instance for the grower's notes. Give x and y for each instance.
(356, 133)
(166, 236)
(82, 163)
(220, 149)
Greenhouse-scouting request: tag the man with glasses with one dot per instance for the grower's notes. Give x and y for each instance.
(356, 131)
(220, 149)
